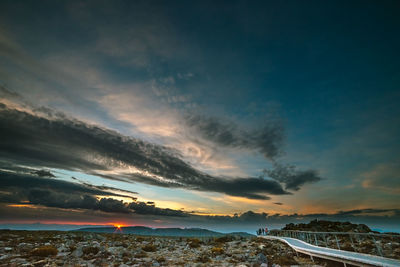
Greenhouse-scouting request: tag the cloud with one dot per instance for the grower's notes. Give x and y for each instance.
(27, 189)
(12, 183)
(369, 212)
(45, 138)
(150, 208)
(384, 177)
(43, 173)
(292, 178)
(267, 140)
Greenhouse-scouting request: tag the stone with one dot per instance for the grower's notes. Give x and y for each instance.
(261, 258)
(118, 251)
(62, 248)
(77, 252)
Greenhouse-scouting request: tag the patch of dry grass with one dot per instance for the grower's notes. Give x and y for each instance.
(44, 251)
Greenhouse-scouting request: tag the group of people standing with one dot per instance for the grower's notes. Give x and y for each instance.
(262, 231)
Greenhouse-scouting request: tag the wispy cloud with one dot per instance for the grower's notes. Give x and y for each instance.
(267, 140)
(383, 177)
(292, 178)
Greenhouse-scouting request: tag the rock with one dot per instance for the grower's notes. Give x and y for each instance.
(264, 265)
(261, 258)
(18, 261)
(118, 251)
(62, 254)
(62, 248)
(39, 263)
(77, 252)
(7, 249)
(147, 259)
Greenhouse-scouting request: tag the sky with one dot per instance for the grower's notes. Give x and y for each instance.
(225, 115)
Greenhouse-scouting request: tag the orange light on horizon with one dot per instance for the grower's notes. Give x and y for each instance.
(31, 206)
(118, 225)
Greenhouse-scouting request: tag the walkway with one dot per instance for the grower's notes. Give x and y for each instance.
(348, 257)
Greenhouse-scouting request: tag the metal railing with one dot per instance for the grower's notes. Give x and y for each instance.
(384, 245)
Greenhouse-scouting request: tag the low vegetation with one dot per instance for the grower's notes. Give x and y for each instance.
(90, 250)
(44, 251)
(149, 248)
(194, 242)
(217, 250)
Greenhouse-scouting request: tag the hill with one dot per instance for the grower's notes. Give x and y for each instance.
(328, 226)
(147, 231)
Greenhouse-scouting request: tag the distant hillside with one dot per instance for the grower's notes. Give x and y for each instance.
(147, 231)
(328, 226)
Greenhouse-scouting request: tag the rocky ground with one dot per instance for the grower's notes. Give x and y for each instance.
(49, 248)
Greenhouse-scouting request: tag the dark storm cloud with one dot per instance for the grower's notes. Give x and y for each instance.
(56, 141)
(251, 216)
(253, 188)
(27, 189)
(106, 188)
(267, 140)
(292, 178)
(150, 208)
(26, 181)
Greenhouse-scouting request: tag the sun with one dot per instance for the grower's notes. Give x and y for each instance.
(118, 225)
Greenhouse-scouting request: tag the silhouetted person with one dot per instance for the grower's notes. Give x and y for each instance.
(262, 231)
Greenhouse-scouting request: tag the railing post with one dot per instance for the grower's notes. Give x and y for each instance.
(337, 242)
(316, 241)
(352, 243)
(326, 242)
(377, 247)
